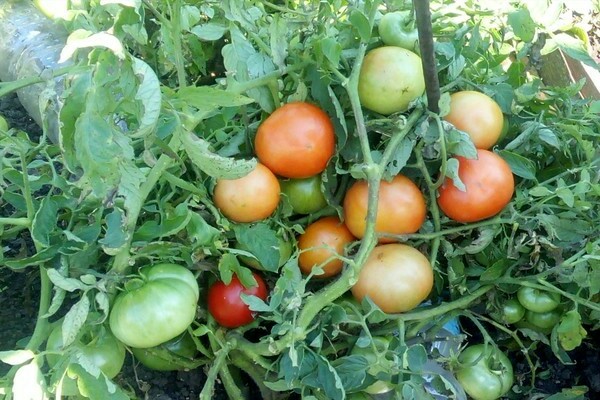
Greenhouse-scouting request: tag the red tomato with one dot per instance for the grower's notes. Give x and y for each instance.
(478, 115)
(328, 237)
(489, 185)
(400, 209)
(225, 303)
(396, 277)
(296, 141)
(249, 198)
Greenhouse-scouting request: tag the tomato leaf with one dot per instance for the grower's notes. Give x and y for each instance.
(29, 382)
(325, 377)
(262, 242)
(94, 384)
(522, 24)
(210, 31)
(16, 357)
(570, 331)
(415, 358)
(452, 173)
(116, 234)
(519, 165)
(351, 370)
(361, 23)
(74, 320)
(44, 222)
(68, 284)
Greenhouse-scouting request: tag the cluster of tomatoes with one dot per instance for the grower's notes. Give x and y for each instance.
(532, 308)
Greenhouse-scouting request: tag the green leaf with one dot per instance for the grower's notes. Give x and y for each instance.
(574, 48)
(522, 24)
(16, 357)
(38, 258)
(116, 232)
(415, 358)
(278, 30)
(325, 378)
(44, 222)
(28, 382)
(351, 370)
(400, 157)
(262, 242)
(81, 39)
(210, 31)
(149, 95)
(458, 142)
(570, 331)
(331, 49)
(361, 23)
(200, 232)
(255, 303)
(574, 393)
(452, 173)
(74, 320)
(495, 271)
(228, 263)
(68, 284)
(213, 164)
(95, 385)
(208, 99)
(519, 165)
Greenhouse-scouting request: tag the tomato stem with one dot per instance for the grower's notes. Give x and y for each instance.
(213, 372)
(24, 222)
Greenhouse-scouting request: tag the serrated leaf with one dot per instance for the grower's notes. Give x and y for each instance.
(74, 320)
(16, 357)
(44, 222)
(116, 234)
(415, 358)
(102, 302)
(81, 39)
(200, 232)
(400, 157)
(278, 30)
(213, 164)
(255, 303)
(522, 24)
(227, 265)
(361, 23)
(149, 95)
(519, 165)
(210, 31)
(540, 191)
(207, 98)
(68, 284)
(262, 242)
(38, 258)
(458, 142)
(570, 331)
(325, 377)
(452, 172)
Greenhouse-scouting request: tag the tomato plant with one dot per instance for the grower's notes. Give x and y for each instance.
(396, 277)
(390, 78)
(398, 29)
(174, 354)
(488, 187)
(97, 346)
(296, 140)
(376, 361)
(484, 372)
(537, 300)
(400, 208)
(225, 303)
(304, 195)
(156, 306)
(320, 244)
(478, 115)
(250, 198)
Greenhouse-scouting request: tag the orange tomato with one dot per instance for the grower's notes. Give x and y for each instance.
(250, 198)
(489, 185)
(320, 243)
(400, 209)
(396, 277)
(296, 140)
(478, 115)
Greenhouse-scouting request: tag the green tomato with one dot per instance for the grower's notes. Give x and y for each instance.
(382, 345)
(512, 311)
(543, 320)
(305, 195)
(390, 78)
(97, 346)
(3, 124)
(398, 29)
(484, 373)
(538, 300)
(175, 354)
(155, 307)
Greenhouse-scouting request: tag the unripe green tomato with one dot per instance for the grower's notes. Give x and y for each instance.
(543, 320)
(390, 78)
(485, 373)
(537, 300)
(304, 195)
(398, 29)
(512, 311)
(168, 356)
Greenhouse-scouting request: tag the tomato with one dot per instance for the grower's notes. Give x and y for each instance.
(155, 307)
(225, 303)
(96, 346)
(249, 198)
(400, 208)
(478, 115)
(538, 300)
(485, 372)
(320, 243)
(296, 140)
(390, 78)
(543, 320)
(489, 186)
(398, 29)
(285, 252)
(512, 311)
(172, 355)
(305, 195)
(396, 277)
(382, 345)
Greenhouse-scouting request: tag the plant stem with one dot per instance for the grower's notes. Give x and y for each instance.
(211, 377)
(175, 28)
(396, 139)
(13, 86)
(432, 84)
(232, 389)
(24, 222)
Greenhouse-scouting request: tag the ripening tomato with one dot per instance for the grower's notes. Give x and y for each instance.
(320, 243)
(225, 303)
(390, 78)
(396, 277)
(489, 186)
(478, 115)
(296, 140)
(250, 198)
(400, 209)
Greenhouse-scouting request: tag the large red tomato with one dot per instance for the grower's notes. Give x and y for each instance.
(225, 302)
(478, 115)
(320, 243)
(489, 186)
(250, 198)
(400, 209)
(396, 277)
(296, 141)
